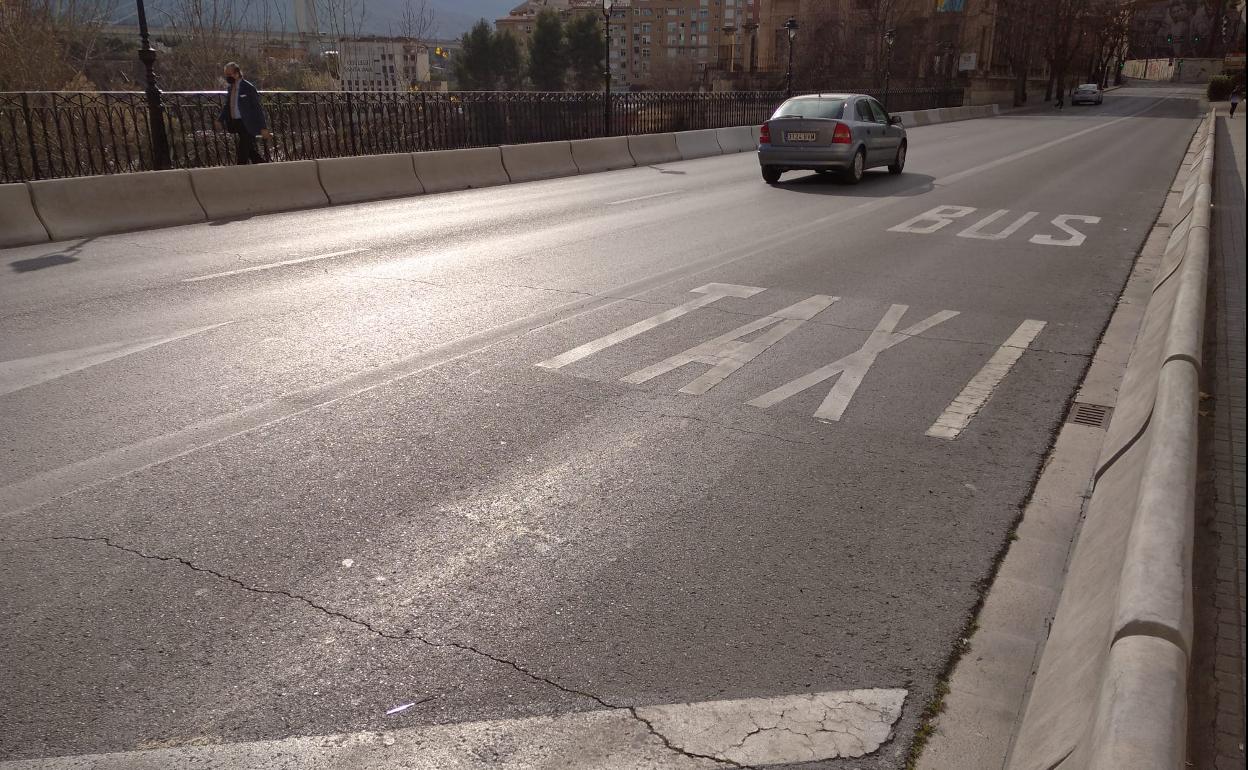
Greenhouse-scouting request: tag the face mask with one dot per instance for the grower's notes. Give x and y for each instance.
(229, 79)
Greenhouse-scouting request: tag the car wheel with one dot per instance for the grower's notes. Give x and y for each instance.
(857, 167)
(771, 175)
(899, 165)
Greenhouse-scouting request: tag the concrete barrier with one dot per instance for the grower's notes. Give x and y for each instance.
(369, 178)
(697, 144)
(447, 170)
(235, 191)
(651, 149)
(19, 226)
(115, 203)
(604, 154)
(736, 139)
(1110, 690)
(541, 160)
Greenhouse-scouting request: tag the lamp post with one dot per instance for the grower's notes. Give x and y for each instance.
(790, 24)
(890, 37)
(155, 110)
(606, 70)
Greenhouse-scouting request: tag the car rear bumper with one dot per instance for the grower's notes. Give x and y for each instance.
(836, 157)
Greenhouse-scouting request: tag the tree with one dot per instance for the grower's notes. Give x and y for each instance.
(548, 61)
(587, 50)
(508, 62)
(475, 68)
(417, 21)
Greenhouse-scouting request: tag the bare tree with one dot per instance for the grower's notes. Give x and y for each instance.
(67, 36)
(417, 21)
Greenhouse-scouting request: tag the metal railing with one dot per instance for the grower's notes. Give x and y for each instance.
(48, 135)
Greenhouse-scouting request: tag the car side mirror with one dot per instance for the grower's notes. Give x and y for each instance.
(894, 120)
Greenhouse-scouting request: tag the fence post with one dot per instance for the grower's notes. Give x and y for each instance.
(351, 123)
(30, 137)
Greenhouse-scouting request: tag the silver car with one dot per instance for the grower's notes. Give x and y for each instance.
(844, 133)
(1088, 93)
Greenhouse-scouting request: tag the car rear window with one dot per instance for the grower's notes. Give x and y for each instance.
(1087, 88)
(830, 109)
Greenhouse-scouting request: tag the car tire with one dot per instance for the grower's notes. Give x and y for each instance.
(771, 175)
(898, 165)
(857, 167)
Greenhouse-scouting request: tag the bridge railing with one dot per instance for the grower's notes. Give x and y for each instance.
(48, 135)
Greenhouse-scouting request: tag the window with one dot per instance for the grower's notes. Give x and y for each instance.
(880, 115)
(828, 109)
(863, 111)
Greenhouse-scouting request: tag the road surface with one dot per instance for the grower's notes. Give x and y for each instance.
(546, 460)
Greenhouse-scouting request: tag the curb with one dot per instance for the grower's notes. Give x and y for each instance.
(1110, 691)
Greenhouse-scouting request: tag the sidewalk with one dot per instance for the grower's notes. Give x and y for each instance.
(1216, 724)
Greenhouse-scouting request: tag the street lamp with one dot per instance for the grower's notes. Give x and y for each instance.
(890, 37)
(155, 110)
(606, 71)
(791, 25)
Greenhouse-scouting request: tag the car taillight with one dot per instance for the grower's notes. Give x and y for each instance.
(841, 134)
(764, 134)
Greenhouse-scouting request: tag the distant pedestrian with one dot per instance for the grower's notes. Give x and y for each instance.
(1236, 95)
(1060, 100)
(243, 115)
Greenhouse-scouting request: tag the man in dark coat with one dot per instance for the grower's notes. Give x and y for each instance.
(243, 115)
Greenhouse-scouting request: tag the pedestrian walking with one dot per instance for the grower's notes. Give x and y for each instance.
(1060, 99)
(1236, 95)
(243, 115)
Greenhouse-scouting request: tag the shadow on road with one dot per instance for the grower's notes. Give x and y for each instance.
(874, 184)
(65, 256)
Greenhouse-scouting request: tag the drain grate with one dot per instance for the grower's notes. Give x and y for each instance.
(1092, 415)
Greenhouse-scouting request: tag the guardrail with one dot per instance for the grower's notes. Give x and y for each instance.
(1111, 689)
(49, 135)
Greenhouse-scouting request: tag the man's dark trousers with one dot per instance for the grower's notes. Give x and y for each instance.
(247, 152)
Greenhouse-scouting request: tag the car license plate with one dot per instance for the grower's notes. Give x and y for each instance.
(800, 136)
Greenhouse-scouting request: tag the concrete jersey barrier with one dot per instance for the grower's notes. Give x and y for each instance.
(369, 178)
(736, 139)
(542, 160)
(19, 225)
(447, 170)
(115, 203)
(604, 154)
(234, 191)
(1110, 691)
(698, 144)
(652, 149)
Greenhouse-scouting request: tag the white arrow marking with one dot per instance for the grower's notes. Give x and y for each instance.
(753, 731)
(22, 373)
(981, 387)
(713, 292)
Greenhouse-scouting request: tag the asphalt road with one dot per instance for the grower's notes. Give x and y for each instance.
(244, 501)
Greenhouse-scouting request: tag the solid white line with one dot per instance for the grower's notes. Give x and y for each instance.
(981, 387)
(643, 198)
(272, 265)
(785, 729)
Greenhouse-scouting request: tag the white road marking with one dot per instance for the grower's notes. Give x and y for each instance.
(1076, 238)
(755, 732)
(977, 230)
(271, 265)
(713, 292)
(23, 373)
(981, 387)
(939, 217)
(726, 353)
(643, 198)
(853, 367)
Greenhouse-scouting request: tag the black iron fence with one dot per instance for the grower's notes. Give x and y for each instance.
(46, 135)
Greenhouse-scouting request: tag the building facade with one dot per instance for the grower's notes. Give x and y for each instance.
(383, 65)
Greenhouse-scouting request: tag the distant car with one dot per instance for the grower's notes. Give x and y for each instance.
(1088, 93)
(843, 133)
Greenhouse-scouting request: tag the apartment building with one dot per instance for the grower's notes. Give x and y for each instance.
(382, 64)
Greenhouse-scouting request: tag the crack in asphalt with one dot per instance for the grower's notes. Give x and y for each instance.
(407, 636)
